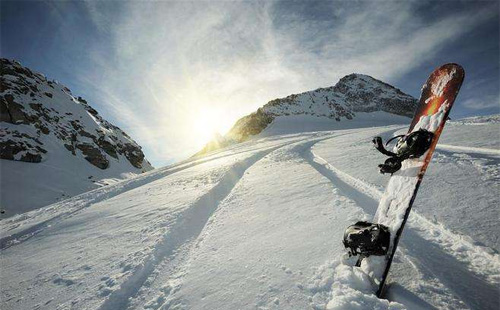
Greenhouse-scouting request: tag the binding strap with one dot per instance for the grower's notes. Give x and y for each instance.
(377, 141)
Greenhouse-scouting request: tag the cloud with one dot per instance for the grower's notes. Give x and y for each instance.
(384, 39)
(485, 102)
(167, 61)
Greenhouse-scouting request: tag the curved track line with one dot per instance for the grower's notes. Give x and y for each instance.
(433, 239)
(467, 252)
(20, 228)
(188, 227)
(468, 150)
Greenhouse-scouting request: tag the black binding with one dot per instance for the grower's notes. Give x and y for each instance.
(379, 145)
(412, 145)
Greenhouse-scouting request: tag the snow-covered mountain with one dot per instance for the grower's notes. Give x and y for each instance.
(255, 225)
(479, 120)
(54, 145)
(258, 225)
(345, 105)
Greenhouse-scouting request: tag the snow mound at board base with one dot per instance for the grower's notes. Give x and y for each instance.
(338, 285)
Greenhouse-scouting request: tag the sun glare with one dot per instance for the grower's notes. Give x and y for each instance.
(207, 124)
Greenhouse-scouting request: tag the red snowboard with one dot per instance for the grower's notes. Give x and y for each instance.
(436, 100)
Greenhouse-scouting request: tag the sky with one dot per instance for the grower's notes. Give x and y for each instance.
(173, 73)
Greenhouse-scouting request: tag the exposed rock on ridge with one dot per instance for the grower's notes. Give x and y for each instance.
(36, 112)
(353, 93)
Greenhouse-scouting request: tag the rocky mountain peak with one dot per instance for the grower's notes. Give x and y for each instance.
(356, 85)
(53, 144)
(354, 93)
(38, 114)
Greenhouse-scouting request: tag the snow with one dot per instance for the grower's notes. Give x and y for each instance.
(69, 176)
(353, 93)
(479, 120)
(442, 81)
(26, 186)
(307, 123)
(432, 122)
(258, 225)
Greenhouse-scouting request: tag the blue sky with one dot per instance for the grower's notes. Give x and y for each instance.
(171, 73)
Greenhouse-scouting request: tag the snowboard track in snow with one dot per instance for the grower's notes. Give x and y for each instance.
(431, 250)
(189, 226)
(469, 150)
(68, 208)
(424, 236)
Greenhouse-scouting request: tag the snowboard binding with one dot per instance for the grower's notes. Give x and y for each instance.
(366, 239)
(412, 145)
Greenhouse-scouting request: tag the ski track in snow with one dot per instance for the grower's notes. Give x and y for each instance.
(186, 236)
(188, 226)
(175, 265)
(186, 229)
(467, 149)
(175, 268)
(20, 228)
(486, 163)
(483, 260)
(448, 248)
(427, 247)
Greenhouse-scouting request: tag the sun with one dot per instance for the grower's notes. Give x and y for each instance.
(207, 124)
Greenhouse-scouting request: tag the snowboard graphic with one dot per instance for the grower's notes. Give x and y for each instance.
(408, 169)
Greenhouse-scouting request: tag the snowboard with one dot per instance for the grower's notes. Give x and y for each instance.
(436, 100)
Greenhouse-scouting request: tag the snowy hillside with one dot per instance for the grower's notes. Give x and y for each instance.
(258, 225)
(479, 120)
(53, 145)
(349, 104)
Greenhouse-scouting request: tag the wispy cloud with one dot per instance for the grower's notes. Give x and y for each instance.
(167, 61)
(484, 102)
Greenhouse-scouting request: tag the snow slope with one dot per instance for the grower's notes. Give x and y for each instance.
(54, 145)
(306, 123)
(258, 225)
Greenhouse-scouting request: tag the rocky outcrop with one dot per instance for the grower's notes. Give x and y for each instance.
(93, 155)
(251, 125)
(363, 93)
(35, 111)
(353, 93)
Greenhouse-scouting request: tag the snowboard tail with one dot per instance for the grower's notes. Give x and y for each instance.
(437, 98)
